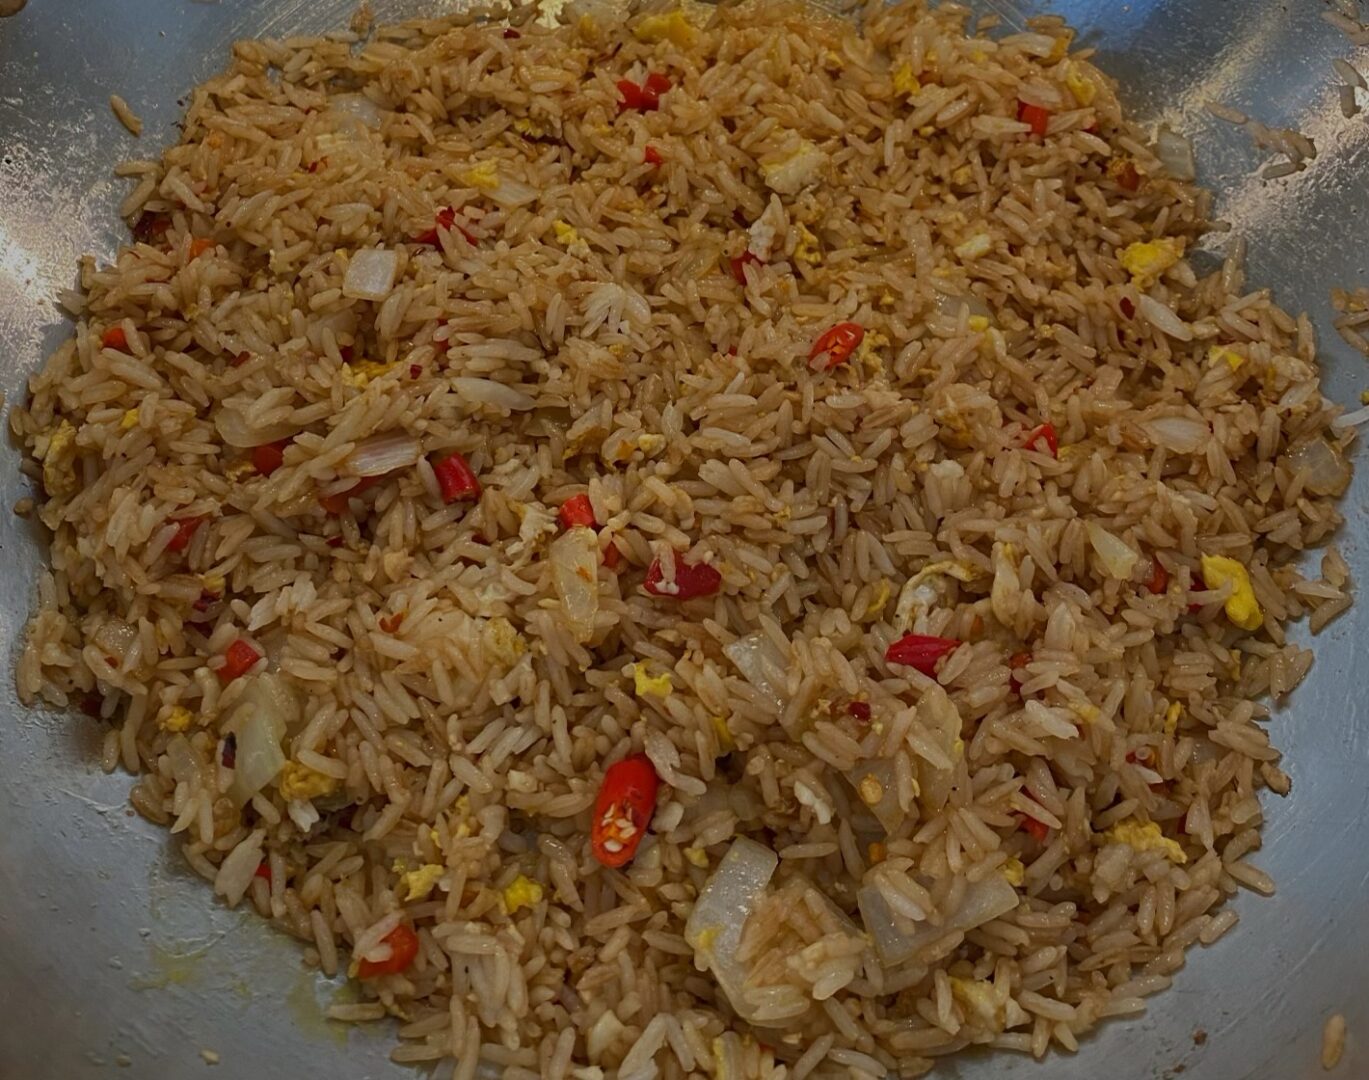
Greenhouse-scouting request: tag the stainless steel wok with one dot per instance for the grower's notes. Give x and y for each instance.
(112, 954)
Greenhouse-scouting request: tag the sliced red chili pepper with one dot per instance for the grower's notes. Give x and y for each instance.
(270, 457)
(576, 510)
(740, 262)
(114, 338)
(337, 502)
(510, 34)
(651, 156)
(263, 871)
(1034, 115)
(456, 479)
(315, 166)
(860, 710)
(240, 359)
(1038, 830)
(446, 219)
(1128, 308)
(415, 370)
(691, 580)
(237, 660)
(185, 532)
(390, 623)
(613, 558)
(403, 944)
(199, 246)
(623, 809)
(1046, 434)
(837, 344)
(646, 97)
(920, 651)
(1158, 581)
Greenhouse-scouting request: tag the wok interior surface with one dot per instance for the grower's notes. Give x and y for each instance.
(113, 953)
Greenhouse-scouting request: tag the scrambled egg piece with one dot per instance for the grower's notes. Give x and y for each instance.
(239, 470)
(359, 373)
(1145, 836)
(521, 892)
(807, 249)
(650, 685)
(1172, 718)
(1014, 871)
(978, 323)
(1241, 606)
(177, 718)
(962, 572)
(59, 478)
(876, 603)
(976, 246)
(698, 856)
(979, 997)
(867, 354)
(419, 883)
(213, 584)
(1086, 712)
(301, 782)
(528, 127)
(484, 176)
(1061, 47)
(963, 175)
(887, 299)
(1080, 85)
(906, 80)
(672, 27)
(725, 740)
(129, 421)
(568, 235)
(1147, 261)
(794, 171)
(1220, 353)
(504, 642)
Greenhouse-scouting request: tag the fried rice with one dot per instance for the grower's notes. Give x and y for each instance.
(843, 418)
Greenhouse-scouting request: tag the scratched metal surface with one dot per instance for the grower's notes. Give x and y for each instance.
(112, 955)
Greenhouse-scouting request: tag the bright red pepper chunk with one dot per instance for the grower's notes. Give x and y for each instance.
(576, 510)
(267, 459)
(1128, 308)
(403, 944)
(859, 710)
(837, 345)
(692, 580)
(613, 558)
(456, 479)
(185, 532)
(1044, 434)
(740, 262)
(651, 156)
(237, 660)
(1038, 830)
(199, 246)
(647, 96)
(114, 338)
(446, 219)
(623, 809)
(1038, 118)
(920, 651)
(263, 871)
(1158, 581)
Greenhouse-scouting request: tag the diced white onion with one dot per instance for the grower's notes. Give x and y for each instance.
(371, 274)
(1175, 153)
(492, 392)
(1327, 471)
(511, 193)
(575, 573)
(1117, 556)
(235, 430)
(898, 940)
(267, 708)
(714, 929)
(381, 454)
(762, 665)
(359, 106)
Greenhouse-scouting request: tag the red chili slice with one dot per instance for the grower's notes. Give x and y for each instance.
(237, 660)
(623, 809)
(576, 510)
(185, 532)
(860, 710)
(1038, 830)
(920, 651)
(1035, 115)
(446, 219)
(1044, 433)
(114, 338)
(651, 156)
(646, 97)
(270, 457)
(739, 263)
(510, 34)
(403, 944)
(691, 580)
(1128, 308)
(1158, 581)
(456, 479)
(837, 344)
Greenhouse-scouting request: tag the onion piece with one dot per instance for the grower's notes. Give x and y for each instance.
(1327, 471)
(877, 785)
(940, 718)
(1117, 557)
(575, 573)
(235, 430)
(371, 274)
(730, 897)
(239, 867)
(492, 392)
(512, 193)
(1175, 153)
(898, 940)
(114, 638)
(267, 709)
(381, 454)
(762, 665)
(358, 106)
(1181, 434)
